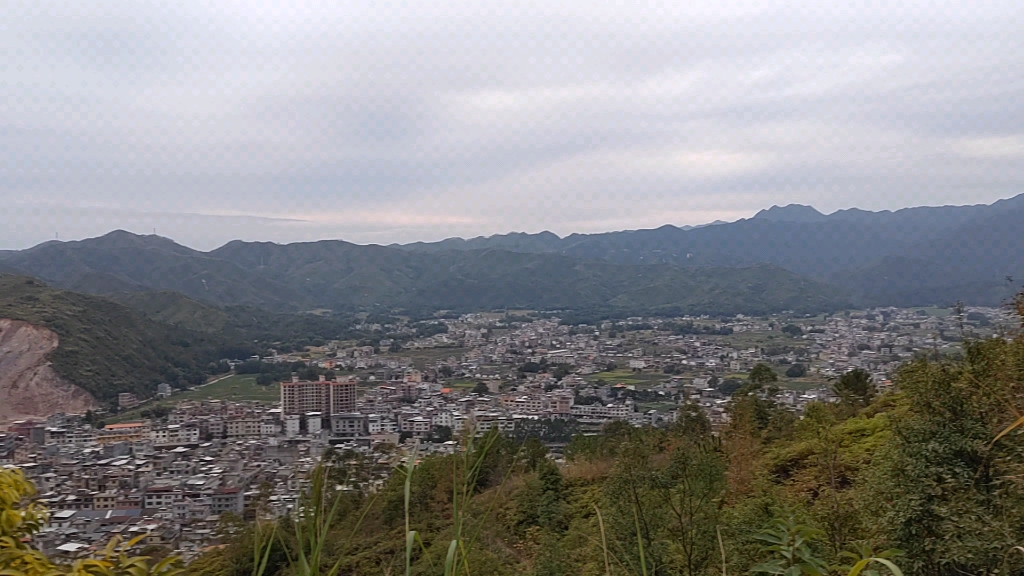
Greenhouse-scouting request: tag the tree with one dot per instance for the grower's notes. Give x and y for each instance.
(531, 367)
(481, 388)
(440, 434)
(855, 388)
(792, 330)
(762, 375)
(729, 386)
(796, 371)
(690, 487)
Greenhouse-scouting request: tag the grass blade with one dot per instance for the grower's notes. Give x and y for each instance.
(449, 560)
(604, 542)
(640, 542)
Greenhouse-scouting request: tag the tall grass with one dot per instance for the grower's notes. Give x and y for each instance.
(312, 530)
(319, 510)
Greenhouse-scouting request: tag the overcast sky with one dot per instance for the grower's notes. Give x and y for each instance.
(399, 121)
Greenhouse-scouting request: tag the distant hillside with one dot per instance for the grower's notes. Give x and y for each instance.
(123, 262)
(350, 275)
(344, 277)
(791, 256)
(513, 241)
(850, 249)
(791, 213)
(106, 348)
(980, 261)
(248, 324)
(176, 309)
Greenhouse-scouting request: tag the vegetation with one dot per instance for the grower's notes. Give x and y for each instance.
(281, 331)
(108, 348)
(344, 277)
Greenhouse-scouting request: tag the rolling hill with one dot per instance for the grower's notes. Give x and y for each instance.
(343, 277)
(105, 347)
(914, 256)
(790, 257)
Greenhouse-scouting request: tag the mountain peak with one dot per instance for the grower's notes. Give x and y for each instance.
(791, 213)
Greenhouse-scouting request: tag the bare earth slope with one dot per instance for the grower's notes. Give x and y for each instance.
(28, 384)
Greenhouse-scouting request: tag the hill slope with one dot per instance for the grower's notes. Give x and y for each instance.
(104, 347)
(124, 262)
(344, 276)
(854, 249)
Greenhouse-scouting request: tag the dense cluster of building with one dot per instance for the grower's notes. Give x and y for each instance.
(172, 478)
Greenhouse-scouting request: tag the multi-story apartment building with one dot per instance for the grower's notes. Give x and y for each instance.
(161, 497)
(243, 427)
(325, 396)
(175, 434)
(349, 425)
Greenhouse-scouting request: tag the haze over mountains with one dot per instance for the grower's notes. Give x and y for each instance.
(790, 257)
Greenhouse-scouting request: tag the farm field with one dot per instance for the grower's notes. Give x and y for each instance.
(625, 376)
(238, 387)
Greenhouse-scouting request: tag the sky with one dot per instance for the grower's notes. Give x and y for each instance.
(381, 122)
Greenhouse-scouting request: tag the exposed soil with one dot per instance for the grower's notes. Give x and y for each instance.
(29, 386)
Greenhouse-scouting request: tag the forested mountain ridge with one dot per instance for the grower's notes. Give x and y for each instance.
(343, 276)
(105, 347)
(810, 262)
(958, 252)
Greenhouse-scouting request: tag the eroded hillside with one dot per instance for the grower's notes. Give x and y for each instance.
(29, 386)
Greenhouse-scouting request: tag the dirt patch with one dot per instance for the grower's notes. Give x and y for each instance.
(29, 386)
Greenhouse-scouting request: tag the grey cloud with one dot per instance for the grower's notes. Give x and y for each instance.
(395, 122)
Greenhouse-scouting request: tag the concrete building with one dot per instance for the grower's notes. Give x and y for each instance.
(325, 396)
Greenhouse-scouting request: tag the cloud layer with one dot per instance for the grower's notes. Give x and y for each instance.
(390, 121)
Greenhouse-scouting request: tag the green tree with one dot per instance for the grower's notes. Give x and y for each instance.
(690, 488)
(792, 330)
(855, 388)
(950, 478)
(796, 371)
(762, 375)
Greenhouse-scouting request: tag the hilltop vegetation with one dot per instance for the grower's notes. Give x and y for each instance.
(281, 331)
(107, 348)
(910, 257)
(790, 257)
(344, 277)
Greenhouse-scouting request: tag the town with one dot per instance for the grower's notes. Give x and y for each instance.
(176, 468)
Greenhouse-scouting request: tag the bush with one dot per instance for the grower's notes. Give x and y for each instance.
(796, 371)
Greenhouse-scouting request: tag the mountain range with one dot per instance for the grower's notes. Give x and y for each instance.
(784, 258)
(344, 277)
(913, 256)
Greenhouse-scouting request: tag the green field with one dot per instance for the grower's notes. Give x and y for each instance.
(462, 383)
(238, 388)
(626, 376)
